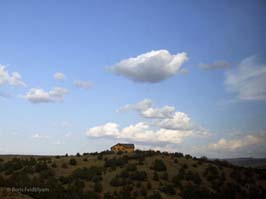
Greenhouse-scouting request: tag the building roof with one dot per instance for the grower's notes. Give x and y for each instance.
(125, 145)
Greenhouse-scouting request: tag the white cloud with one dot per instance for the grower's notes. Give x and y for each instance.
(151, 67)
(236, 144)
(82, 84)
(59, 76)
(140, 132)
(146, 110)
(167, 126)
(13, 79)
(179, 120)
(165, 117)
(216, 65)
(248, 81)
(108, 129)
(37, 95)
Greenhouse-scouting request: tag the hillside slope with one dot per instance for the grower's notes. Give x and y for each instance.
(138, 175)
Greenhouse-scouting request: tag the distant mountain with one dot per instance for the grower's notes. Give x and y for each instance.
(248, 162)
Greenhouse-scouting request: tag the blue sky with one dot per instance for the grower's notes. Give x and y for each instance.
(215, 90)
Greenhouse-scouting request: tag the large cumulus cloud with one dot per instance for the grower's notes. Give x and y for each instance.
(151, 67)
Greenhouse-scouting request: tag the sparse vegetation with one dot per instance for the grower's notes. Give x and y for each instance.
(107, 175)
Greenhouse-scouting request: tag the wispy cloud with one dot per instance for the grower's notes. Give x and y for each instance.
(216, 65)
(151, 67)
(248, 80)
(82, 84)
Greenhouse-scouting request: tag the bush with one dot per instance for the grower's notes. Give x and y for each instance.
(149, 186)
(114, 162)
(139, 175)
(177, 180)
(195, 192)
(155, 176)
(131, 167)
(116, 181)
(100, 157)
(53, 165)
(155, 195)
(169, 189)
(78, 154)
(194, 177)
(40, 166)
(64, 166)
(87, 173)
(159, 165)
(73, 161)
(98, 187)
(211, 173)
(165, 176)
(85, 159)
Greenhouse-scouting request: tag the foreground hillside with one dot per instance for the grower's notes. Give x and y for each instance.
(142, 174)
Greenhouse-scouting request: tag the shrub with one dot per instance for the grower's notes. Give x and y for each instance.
(195, 192)
(46, 173)
(116, 181)
(184, 166)
(159, 165)
(53, 165)
(194, 177)
(85, 159)
(149, 186)
(211, 173)
(87, 173)
(78, 154)
(143, 191)
(100, 157)
(65, 180)
(72, 161)
(98, 187)
(124, 174)
(155, 195)
(155, 176)
(40, 166)
(177, 180)
(114, 162)
(169, 189)
(131, 167)
(64, 166)
(139, 175)
(165, 176)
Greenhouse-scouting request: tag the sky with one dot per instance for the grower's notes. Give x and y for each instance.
(81, 76)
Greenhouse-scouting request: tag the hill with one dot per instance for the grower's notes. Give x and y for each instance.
(249, 162)
(138, 175)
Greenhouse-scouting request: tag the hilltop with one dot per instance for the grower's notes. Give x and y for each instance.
(137, 175)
